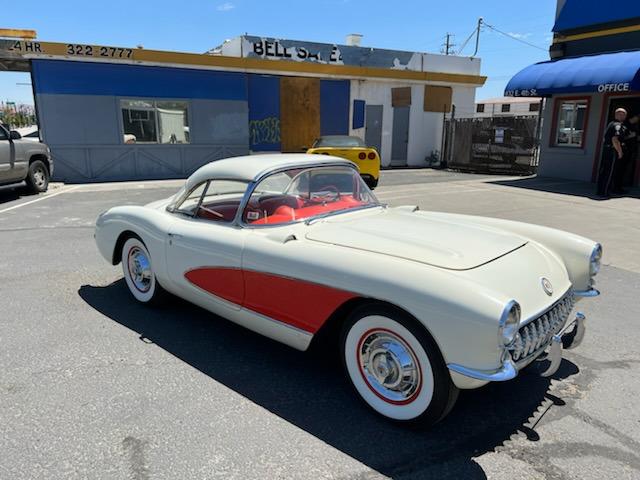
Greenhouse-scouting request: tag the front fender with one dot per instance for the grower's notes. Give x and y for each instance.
(573, 250)
(148, 224)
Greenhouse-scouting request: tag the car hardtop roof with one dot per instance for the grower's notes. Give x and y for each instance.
(251, 167)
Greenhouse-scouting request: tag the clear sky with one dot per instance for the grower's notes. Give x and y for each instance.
(198, 25)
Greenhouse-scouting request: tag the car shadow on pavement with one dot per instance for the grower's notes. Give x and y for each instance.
(9, 194)
(565, 187)
(310, 391)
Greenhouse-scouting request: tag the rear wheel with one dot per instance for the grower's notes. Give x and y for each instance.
(38, 177)
(138, 272)
(396, 367)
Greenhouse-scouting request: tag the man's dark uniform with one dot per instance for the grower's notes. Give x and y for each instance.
(610, 156)
(630, 151)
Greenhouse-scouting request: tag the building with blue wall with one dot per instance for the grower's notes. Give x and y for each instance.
(594, 69)
(121, 114)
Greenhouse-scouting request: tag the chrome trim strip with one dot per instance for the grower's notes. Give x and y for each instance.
(506, 372)
(592, 292)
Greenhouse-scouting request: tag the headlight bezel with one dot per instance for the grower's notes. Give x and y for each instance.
(595, 260)
(509, 323)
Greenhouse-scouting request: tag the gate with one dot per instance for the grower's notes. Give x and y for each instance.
(506, 145)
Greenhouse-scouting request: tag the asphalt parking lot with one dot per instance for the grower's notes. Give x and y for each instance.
(94, 385)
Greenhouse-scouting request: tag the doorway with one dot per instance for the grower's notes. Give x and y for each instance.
(299, 113)
(632, 105)
(400, 136)
(373, 127)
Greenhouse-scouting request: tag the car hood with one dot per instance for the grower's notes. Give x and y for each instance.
(441, 242)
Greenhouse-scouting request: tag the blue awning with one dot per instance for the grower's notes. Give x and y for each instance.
(609, 72)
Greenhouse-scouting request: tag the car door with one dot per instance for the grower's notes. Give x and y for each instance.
(204, 249)
(7, 156)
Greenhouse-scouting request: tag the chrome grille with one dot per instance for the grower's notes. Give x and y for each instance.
(537, 333)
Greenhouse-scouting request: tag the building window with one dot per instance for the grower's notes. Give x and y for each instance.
(151, 121)
(534, 107)
(480, 108)
(506, 107)
(572, 115)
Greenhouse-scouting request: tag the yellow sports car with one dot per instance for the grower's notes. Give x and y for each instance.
(354, 149)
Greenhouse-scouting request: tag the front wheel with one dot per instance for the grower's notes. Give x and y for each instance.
(396, 367)
(38, 177)
(138, 272)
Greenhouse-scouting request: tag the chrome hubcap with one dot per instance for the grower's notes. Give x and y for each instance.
(39, 176)
(140, 269)
(389, 366)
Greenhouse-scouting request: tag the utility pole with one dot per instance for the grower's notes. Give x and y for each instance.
(478, 28)
(448, 46)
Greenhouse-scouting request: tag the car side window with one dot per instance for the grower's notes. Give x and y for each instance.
(214, 200)
(3, 134)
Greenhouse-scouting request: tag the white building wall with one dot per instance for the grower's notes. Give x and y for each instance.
(495, 110)
(425, 128)
(375, 93)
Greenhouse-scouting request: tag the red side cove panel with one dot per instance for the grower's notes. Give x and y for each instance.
(226, 283)
(298, 303)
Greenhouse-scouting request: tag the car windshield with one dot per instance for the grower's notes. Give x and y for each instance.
(338, 141)
(302, 193)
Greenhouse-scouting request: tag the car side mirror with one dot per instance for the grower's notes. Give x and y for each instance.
(15, 135)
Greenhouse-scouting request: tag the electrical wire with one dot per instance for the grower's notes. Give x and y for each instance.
(464, 44)
(513, 37)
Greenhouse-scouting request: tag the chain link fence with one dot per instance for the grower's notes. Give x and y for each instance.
(507, 145)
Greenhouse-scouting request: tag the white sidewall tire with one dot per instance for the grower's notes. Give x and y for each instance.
(139, 295)
(404, 412)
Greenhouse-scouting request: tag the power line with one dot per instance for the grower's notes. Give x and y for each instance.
(514, 37)
(464, 44)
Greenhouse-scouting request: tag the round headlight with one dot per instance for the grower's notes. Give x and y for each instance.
(594, 261)
(509, 322)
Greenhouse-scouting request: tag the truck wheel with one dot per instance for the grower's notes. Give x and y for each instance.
(38, 177)
(396, 367)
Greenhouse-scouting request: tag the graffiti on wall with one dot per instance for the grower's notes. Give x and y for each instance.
(265, 130)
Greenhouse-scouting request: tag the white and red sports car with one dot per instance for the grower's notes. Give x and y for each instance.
(427, 303)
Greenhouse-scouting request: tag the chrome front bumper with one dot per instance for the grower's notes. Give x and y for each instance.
(568, 338)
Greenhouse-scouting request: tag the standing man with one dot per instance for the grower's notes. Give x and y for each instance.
(612, 152)
(630, 151)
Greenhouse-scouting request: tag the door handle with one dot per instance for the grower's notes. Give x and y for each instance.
(174, 235)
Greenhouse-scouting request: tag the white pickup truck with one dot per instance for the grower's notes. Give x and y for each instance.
(24, 161)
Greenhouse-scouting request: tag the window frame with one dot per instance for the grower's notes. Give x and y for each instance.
(153, 100)
(174, 210)
(534, 107)
(553, 137)
(505, 108)
(480, 107)
(252, 186)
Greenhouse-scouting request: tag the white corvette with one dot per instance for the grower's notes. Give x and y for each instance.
(427, 303)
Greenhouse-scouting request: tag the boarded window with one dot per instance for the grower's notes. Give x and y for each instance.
(437, 99)
(401, 97)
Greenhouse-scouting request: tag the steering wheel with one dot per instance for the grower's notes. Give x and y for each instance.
(212, 212)
(317, 198)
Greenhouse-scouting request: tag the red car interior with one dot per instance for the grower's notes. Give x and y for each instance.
(274, 209)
